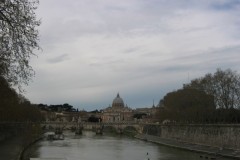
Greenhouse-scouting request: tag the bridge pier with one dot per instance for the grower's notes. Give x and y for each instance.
(99, 129)
(120, 131)
(58, 130)
(79, 130)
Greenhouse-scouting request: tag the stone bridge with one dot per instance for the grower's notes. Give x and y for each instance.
(114, 126)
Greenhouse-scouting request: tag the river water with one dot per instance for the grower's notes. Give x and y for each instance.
(90, 146)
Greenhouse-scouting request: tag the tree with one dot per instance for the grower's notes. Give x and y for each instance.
(92, 118)
(139, 115)
(186, 105)
(18, 38)
(15, 107)
(223, 85)
(7, 94)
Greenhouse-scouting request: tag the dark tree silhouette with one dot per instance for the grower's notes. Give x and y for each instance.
(186, 105)
(15, 107)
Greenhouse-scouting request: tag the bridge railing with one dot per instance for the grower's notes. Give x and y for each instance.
(92, 123)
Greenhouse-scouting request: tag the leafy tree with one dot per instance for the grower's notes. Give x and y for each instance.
(95, 111)
(18, 39)
(186, 105)
(139, 115)
(183, 99)
(68, 107)
(57, 108)
(7, 94)
(223, 85)
(94, 119)
(15, 107)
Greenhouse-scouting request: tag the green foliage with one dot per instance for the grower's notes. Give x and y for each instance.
(57, 108)
(186, 105)
(18, 38)
(185, 99)
(15, 108)
(7, 94)
(94, 119)
(139, 115)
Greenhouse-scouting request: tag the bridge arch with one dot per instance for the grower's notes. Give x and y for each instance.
(130, 128)
(109, 129)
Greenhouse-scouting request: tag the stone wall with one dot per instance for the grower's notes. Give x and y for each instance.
(222, 136)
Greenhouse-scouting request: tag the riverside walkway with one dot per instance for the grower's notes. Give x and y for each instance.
(208, 151)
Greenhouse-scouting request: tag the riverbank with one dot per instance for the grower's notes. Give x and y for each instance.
(214, 151)
(15, 138)
(11, 148)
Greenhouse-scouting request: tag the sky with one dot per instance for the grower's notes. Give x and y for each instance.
(141, 49)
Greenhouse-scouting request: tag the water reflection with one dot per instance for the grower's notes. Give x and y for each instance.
(90, 146)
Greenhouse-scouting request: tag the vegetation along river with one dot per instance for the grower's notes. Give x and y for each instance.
(90, 146)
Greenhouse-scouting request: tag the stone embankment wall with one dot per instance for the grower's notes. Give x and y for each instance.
(222, 136)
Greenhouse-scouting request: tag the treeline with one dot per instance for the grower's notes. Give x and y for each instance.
(214, 98)
(57, 108)
(14, 107)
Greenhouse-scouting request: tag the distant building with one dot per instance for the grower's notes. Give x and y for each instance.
(145, 114)
(48, 115)
(118, 112)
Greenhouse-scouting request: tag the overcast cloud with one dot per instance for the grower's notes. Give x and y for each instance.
(143, 49)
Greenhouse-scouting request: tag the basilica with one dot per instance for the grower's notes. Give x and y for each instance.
(118, 112)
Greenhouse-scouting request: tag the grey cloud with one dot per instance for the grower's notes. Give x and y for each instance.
(204, 60)
(177, 68)
(118, 42)
(226, 57)
(226, 5)
(59, 59)
(151, 54)
(131, 50)
(115, 8)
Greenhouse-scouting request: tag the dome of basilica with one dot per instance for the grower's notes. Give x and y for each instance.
(118, 102)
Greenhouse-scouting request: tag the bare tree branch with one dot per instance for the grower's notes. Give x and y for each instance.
(18, 37)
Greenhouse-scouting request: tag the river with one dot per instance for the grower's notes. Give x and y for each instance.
(90, 146)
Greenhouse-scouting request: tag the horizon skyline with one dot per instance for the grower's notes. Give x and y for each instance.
(104, 107)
